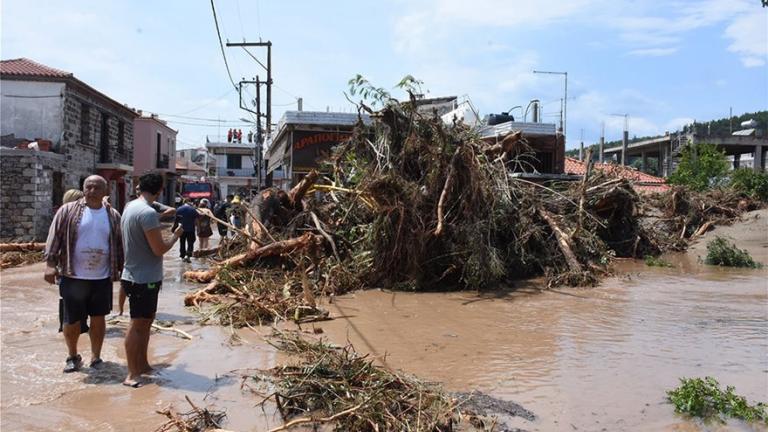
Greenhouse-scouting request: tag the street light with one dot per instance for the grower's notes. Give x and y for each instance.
(565, 98)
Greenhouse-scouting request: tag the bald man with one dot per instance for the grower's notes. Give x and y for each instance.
(84, 251)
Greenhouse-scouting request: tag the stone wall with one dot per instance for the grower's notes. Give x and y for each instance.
(83, 148)
(26, 194)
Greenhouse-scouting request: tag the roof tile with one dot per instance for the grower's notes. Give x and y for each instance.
(24, 67)
(641, 181)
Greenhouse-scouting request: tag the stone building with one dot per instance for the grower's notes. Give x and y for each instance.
(89, 133)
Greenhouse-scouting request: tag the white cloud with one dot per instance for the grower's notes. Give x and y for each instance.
(433, 24)
(508, 13)
(660, 30)
(653, 52)
(749, 38)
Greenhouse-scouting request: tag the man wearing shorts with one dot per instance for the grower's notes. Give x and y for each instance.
(143, 272)
(85, 250)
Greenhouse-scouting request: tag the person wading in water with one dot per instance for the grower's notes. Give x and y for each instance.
(143, 272)
(85, 250)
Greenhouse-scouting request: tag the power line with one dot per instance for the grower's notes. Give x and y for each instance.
(221, 44)
(205, 104)
(230, 124)
(258, 18)
(199, 118)
(242, 32)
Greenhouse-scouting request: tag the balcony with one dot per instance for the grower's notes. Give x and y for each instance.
(223, 171)
(163, 161)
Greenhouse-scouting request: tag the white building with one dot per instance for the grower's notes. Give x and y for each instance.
(234, 170)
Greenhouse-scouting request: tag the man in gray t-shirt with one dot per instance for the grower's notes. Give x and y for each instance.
(143, 272)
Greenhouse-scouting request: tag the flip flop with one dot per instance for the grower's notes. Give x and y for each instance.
(133, 383)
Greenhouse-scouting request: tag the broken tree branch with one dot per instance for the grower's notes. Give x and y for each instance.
(563, 240)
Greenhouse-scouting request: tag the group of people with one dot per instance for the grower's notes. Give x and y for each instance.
(90, 245)
(195, 223)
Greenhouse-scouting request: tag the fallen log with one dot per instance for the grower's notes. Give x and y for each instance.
(446, 190)
(283, 247)
(297, 193)
(21, 247)
(199, 253)
(563, 241)
(201, 295)
(506, 145)
(706, 226)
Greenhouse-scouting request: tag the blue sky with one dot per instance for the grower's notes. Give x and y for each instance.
(662, 62)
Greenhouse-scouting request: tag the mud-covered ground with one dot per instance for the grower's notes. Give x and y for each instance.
(581, 359)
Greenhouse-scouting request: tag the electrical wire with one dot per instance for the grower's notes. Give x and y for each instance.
(221, 44)
(198, 118)
(258, 18)
(237, 2)
(233, 124)
(205, 104)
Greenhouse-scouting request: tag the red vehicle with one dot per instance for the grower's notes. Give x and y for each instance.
(198, 190)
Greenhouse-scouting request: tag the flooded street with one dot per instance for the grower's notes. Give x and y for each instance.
(589, 359)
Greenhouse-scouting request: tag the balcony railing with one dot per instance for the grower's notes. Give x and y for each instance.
(163, 161)
(244, 172)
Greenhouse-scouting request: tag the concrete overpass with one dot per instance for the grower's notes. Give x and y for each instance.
(666, 148)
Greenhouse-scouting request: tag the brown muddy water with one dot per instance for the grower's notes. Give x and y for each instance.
(596, 359)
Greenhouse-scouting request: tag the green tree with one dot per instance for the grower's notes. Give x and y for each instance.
(701, 167)
(754, 184)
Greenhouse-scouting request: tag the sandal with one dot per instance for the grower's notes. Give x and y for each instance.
(133, 383)
(96, 362)
(73, 363)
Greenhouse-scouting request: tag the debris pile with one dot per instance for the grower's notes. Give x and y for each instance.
(196, 420)
(411, 203)
(683, 214)
(336, 386)
(19, 254)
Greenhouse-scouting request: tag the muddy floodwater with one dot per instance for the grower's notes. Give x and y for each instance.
(590, 359)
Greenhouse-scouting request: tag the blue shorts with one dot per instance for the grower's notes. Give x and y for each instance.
(83, 298)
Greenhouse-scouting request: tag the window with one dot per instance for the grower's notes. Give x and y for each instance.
(234, 161)
(120, 137)
(85, 125)
(104, 142)
(157, 150)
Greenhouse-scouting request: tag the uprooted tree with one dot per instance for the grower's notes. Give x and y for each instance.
(411, 203)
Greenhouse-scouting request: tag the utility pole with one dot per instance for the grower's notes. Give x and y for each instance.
(565, 98)
(257, 147)
(268, 68)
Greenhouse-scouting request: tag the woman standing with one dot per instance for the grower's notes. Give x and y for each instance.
(204, 230)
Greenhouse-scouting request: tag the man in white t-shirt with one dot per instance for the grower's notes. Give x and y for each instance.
(85, 251)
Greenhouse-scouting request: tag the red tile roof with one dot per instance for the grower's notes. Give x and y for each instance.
(641, 181)
(23, 67)
(26, 69)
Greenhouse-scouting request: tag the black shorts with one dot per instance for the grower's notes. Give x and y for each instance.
(83, 298)
(142, 298)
